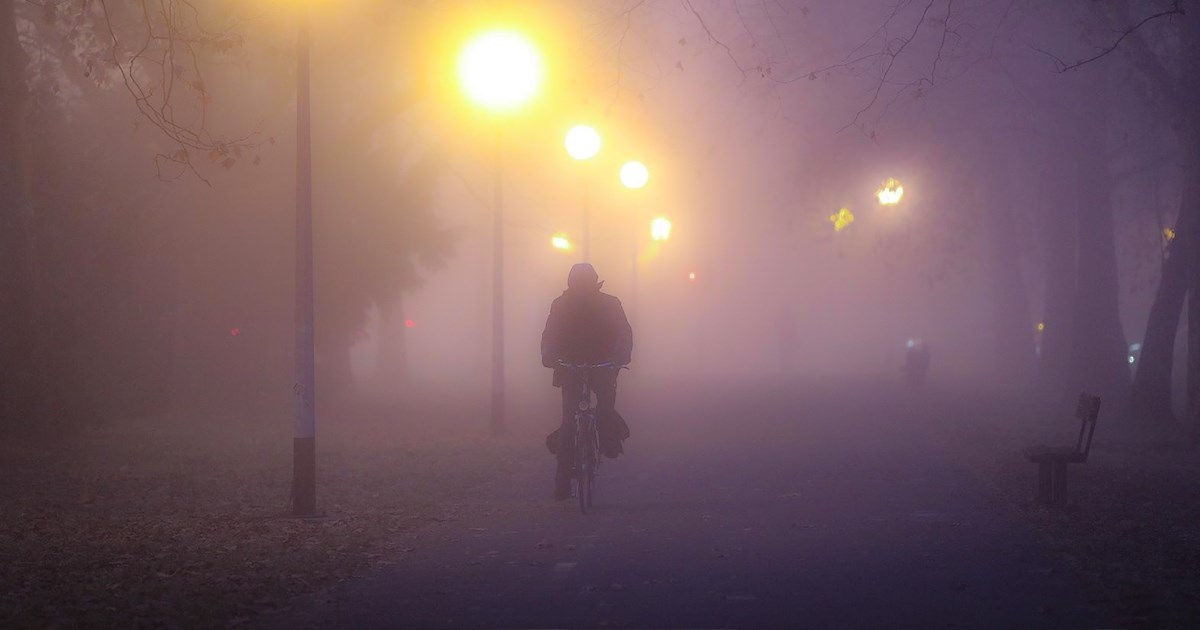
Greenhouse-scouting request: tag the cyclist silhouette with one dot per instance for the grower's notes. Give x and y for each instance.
(586, 326)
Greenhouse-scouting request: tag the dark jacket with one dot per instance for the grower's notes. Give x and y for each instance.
(586, 326)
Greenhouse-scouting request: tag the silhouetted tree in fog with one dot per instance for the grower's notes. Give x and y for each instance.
(120, 289)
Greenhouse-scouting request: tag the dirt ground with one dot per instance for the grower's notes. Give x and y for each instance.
(173, 523)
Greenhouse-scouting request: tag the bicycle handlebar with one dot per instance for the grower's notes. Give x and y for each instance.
(587, 366)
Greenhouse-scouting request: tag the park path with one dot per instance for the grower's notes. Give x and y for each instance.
(777, 507)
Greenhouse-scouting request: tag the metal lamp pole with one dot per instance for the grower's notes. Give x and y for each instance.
(498, 288)
(304, 450)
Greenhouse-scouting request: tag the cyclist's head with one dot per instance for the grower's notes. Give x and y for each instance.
(583, 277)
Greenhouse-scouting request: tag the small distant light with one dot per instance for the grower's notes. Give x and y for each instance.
(692, 276)
(1041, 326)
(408, 323)
(660, 229)
(1131, 359)
(841, 219)
(560, 242)
(233, 332)
(1168, 234)
(1134, 347)
(912, 343)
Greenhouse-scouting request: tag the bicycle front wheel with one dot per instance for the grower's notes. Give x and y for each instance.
(585, 457)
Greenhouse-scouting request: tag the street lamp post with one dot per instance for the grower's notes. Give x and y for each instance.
(634, 175)
(304, 448)
(583, 143)
(500, 70)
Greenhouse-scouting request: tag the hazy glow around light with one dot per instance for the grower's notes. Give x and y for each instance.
(560, 242)
(582, 142)
(691, 276)
(1041, 326)
(500, 70)
(660, 229)
(634, 174)
(891, 193)
(841, 219)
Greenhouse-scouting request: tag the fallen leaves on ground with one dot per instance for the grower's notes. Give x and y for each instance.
(183, 522)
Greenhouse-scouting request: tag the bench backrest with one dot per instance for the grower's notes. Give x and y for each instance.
(1087, 412)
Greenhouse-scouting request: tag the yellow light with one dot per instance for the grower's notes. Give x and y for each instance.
(560, 242)
(660, 229)
(1041, 326)
(1168, 234)
(891, 193)
(634, 174)
(841, 219)
(582, 142)
(500, 69)
(691, 276)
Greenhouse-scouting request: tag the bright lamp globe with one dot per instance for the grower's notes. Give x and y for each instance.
(634, 174)
(582, 142)
(500, 70)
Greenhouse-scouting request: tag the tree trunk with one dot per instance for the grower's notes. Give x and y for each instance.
(1099, 357)
(18, 351)
(1150, 398)
(1189, 209)
(1012, 348)
(335, 378)
(392, 366)
(1058, 231)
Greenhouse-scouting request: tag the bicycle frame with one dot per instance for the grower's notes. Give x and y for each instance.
(587, 437)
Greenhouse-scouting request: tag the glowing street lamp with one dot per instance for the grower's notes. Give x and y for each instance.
(583, 143)
(560, 242)
(499, 70)
(660, 229)
(891, 192)
(634, 174)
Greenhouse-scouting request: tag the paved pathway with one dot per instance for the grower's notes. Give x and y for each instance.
(730, 510)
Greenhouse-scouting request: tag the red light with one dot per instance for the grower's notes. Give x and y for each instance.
(408, 323)
(233, 332)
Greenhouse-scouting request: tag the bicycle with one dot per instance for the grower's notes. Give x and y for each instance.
(587, 436)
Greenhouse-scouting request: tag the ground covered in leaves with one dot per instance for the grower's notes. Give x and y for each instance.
(1130, 528)
(181, 521)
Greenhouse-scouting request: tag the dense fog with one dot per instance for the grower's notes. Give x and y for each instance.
(758, 126)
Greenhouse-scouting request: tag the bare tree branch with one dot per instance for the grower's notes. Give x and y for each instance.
(171, 44)
(714, 39)
(1062, 66)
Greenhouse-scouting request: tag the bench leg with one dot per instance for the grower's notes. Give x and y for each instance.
(1043, 491)
(1059, 490)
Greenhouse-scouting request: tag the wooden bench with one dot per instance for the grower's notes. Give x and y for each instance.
(1052, 462)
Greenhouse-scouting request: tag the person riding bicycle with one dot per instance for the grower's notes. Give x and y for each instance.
(585, 326)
